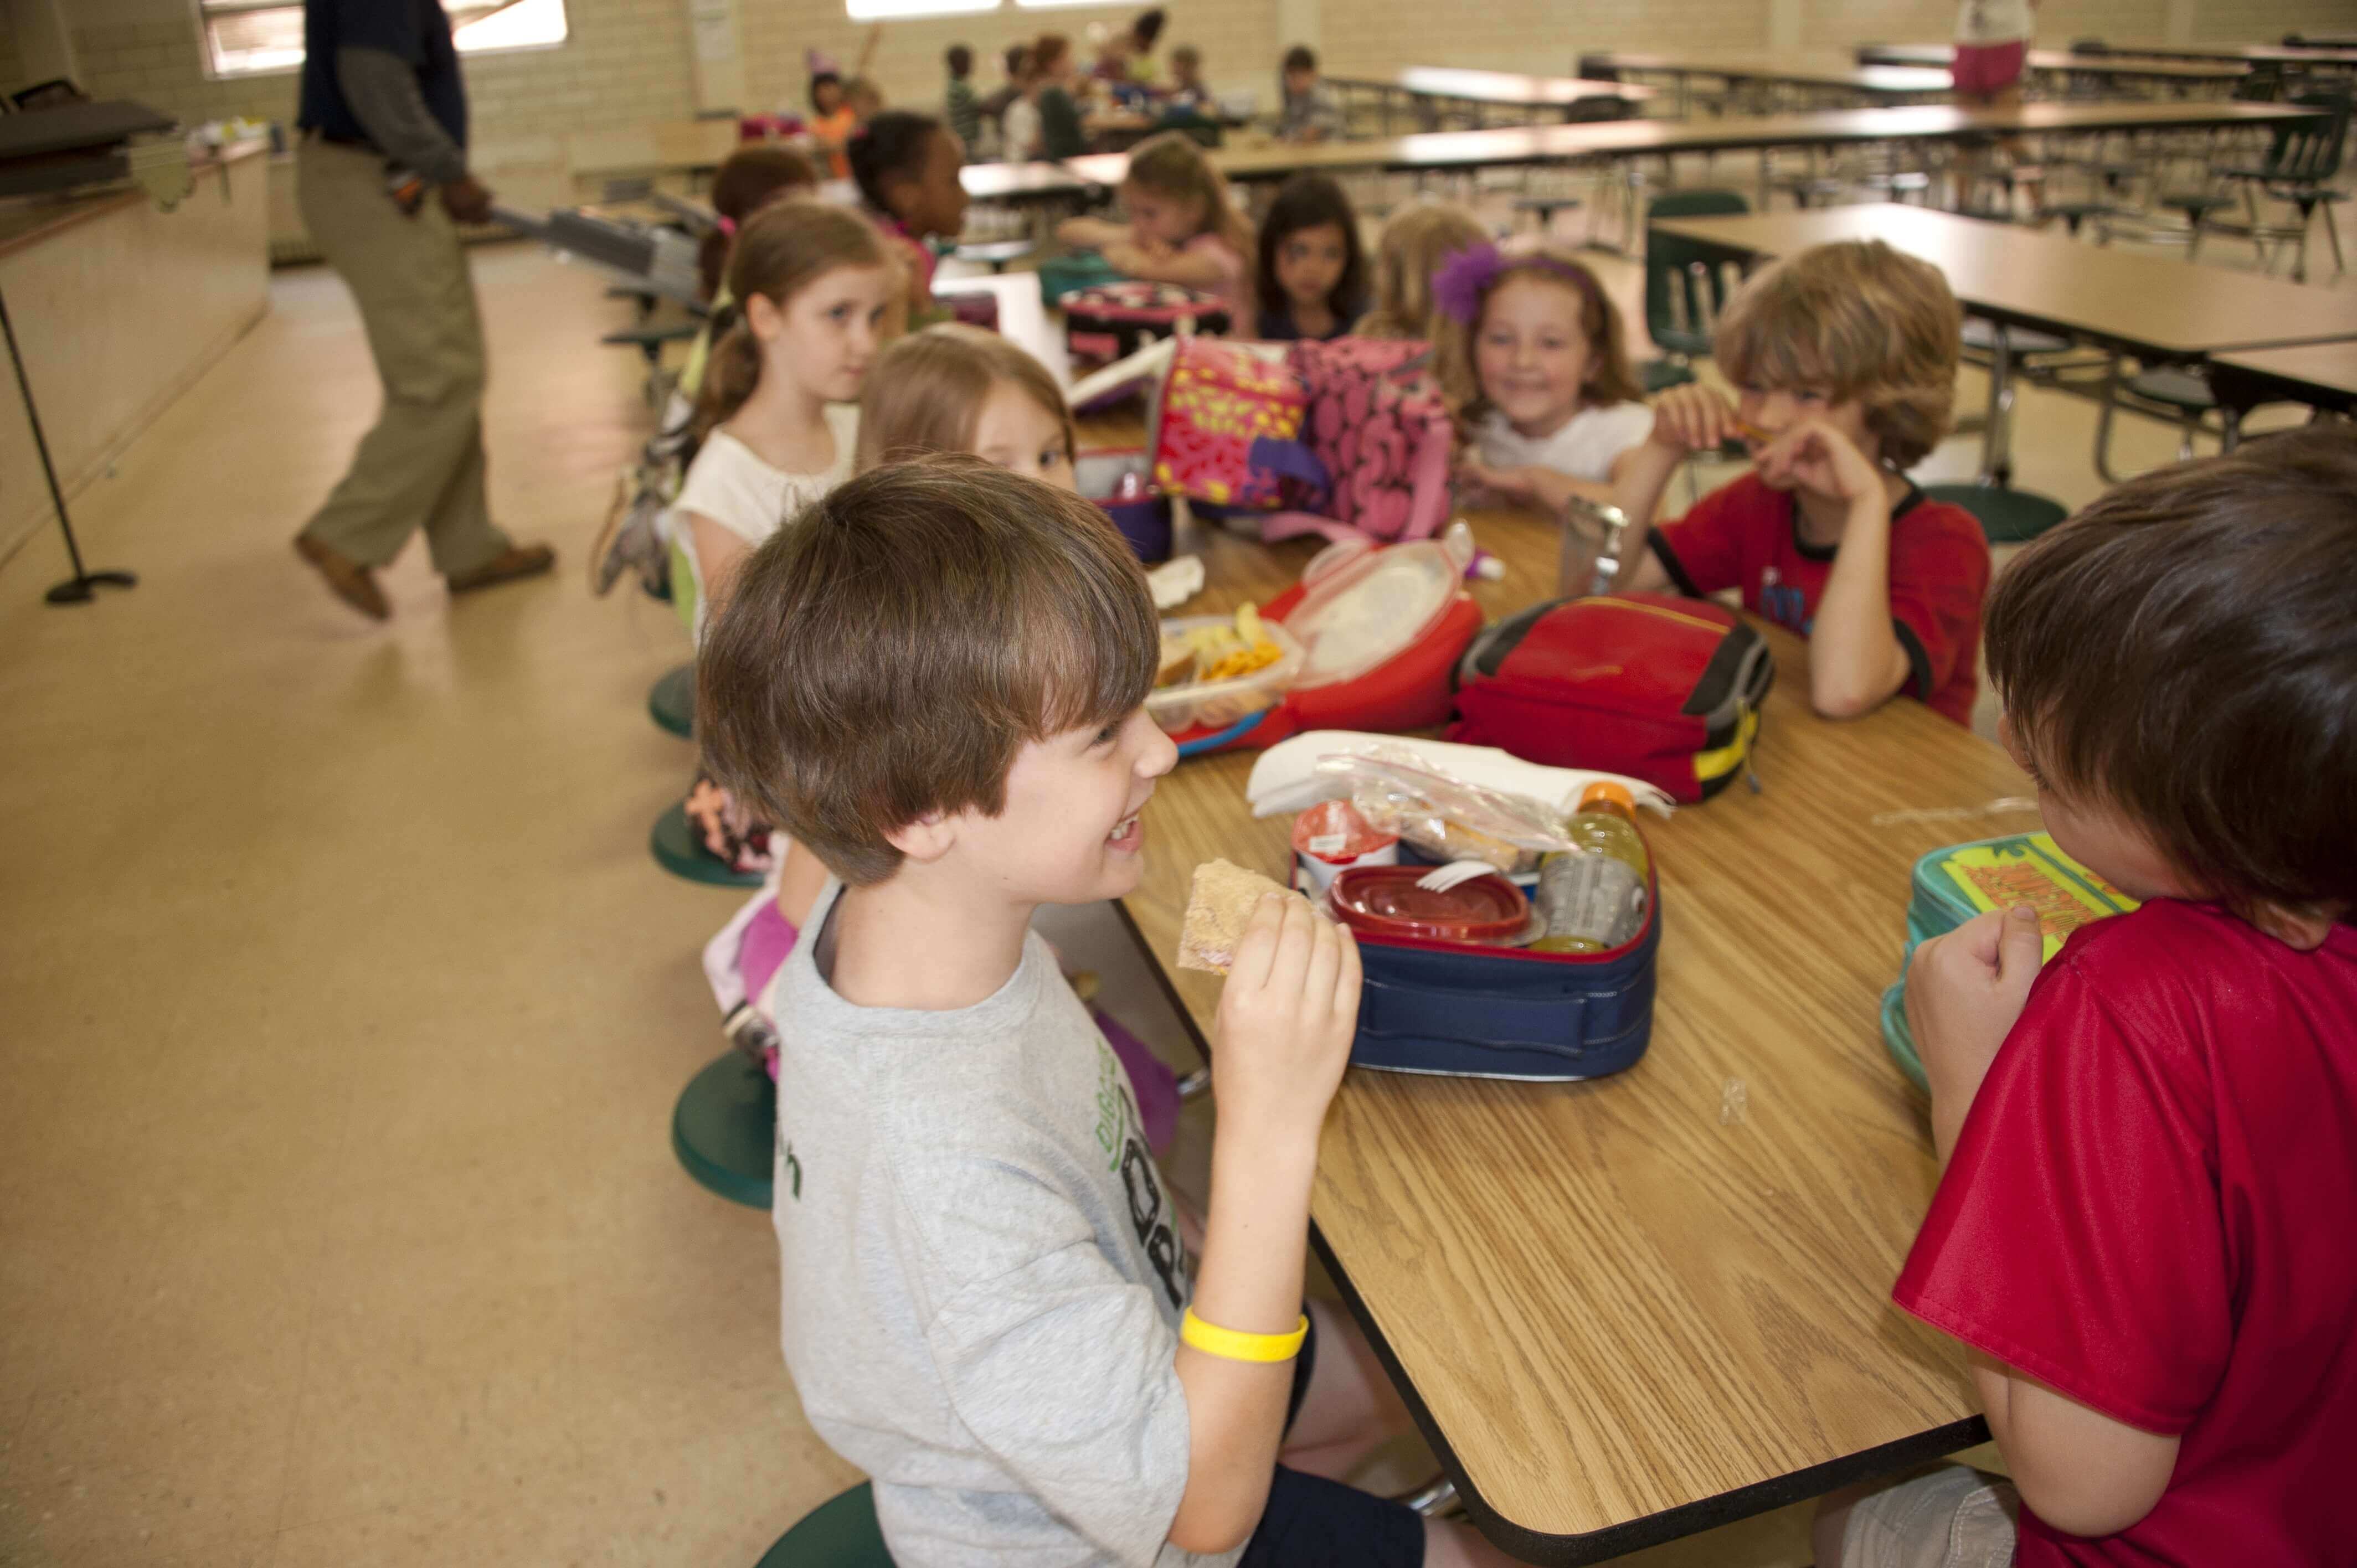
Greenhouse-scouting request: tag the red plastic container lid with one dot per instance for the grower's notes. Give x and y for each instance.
(1385, 901)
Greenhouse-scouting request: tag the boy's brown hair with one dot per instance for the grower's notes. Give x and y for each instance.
(925, 393)
(2184, 650)
(885, 655)
(1415, 244)
(1859, 321)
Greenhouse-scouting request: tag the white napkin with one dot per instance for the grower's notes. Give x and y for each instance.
(1175, 582)
(1286, 779)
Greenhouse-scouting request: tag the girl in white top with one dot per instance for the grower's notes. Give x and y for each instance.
(1531, 357)
(819, 287)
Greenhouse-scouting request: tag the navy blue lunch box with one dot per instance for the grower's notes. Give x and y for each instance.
(1443, 1007)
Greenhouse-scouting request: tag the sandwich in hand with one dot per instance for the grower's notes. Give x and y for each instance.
(1218, 909)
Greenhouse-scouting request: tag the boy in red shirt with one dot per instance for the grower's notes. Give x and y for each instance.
(2142, 1236)
(1846, 358)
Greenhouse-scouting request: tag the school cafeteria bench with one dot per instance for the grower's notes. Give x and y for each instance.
(1630, 1309)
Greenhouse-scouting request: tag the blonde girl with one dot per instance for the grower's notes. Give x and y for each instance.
(1415, 244)
(1532, 357)
(818, 286)
(1184, 228)
(959, 389)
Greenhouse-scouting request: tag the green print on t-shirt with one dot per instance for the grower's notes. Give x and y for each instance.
(1122, 1138)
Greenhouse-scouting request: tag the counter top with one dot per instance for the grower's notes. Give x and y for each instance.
(27, 220)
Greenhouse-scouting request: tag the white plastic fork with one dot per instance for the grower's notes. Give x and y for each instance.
(1441, 878)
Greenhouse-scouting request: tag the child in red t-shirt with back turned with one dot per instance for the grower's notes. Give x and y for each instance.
(1845, 357)
(2143, 1232)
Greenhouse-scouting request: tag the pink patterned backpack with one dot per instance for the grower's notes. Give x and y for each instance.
(1226, 425)
(1380, 431)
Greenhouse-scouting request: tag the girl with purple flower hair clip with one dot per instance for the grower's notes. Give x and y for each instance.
(1530, 355)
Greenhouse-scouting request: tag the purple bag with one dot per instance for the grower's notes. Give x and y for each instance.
(1380, 431)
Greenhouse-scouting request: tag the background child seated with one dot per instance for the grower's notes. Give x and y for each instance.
(833, 115)
(1313, 276)
(1062, 135)
(2142, 1233)
(1415, 245)
(1533, 358)
(1188, 90)
(907, 169)
(1308, 111)
(1845, 358)
(1022, 137)
(1184, 227)
(960, 388)
(961, 109)
(749, 180)
(937, 683)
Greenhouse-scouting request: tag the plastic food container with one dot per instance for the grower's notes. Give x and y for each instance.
(1385, 901)
(1331, 837)
(1951, 886)
(1122, 483)
(1216, 705)
(1360, 605)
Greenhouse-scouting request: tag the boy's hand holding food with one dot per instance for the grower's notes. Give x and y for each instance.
(1694, 419)
(1815, 457)
(1964, 992)
(1291, 1006)
(1288, 1017)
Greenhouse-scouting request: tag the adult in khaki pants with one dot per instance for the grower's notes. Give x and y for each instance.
(381, 97)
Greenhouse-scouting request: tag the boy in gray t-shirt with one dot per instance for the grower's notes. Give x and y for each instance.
(934, 682)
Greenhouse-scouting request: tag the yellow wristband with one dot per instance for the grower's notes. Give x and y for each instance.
(1232, 1345)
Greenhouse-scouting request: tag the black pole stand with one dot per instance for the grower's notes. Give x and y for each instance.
(84, 586)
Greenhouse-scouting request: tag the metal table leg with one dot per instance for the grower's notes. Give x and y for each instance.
(1996, 441)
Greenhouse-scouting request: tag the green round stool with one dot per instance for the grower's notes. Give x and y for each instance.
(672, 701)
(724, 1130)
(840, 1532)
(2007, 515)
(679, 850)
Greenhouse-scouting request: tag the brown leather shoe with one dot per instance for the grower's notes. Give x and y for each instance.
(515, 561)
(346, 579)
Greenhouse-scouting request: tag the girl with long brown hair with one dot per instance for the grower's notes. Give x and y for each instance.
(1184, 227)
(818, 290)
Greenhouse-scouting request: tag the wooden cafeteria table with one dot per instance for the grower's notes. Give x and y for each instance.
(2157, 308)
(1825, 74)
(2181, 74)
(1630, 1309)
(1429, 90)
(2321, 375)
(1442, 151)
(2242, 54)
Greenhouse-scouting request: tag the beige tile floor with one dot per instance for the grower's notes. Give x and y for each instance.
(341, 1013)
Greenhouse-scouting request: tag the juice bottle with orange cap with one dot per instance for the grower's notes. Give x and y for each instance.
(1593, 897)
